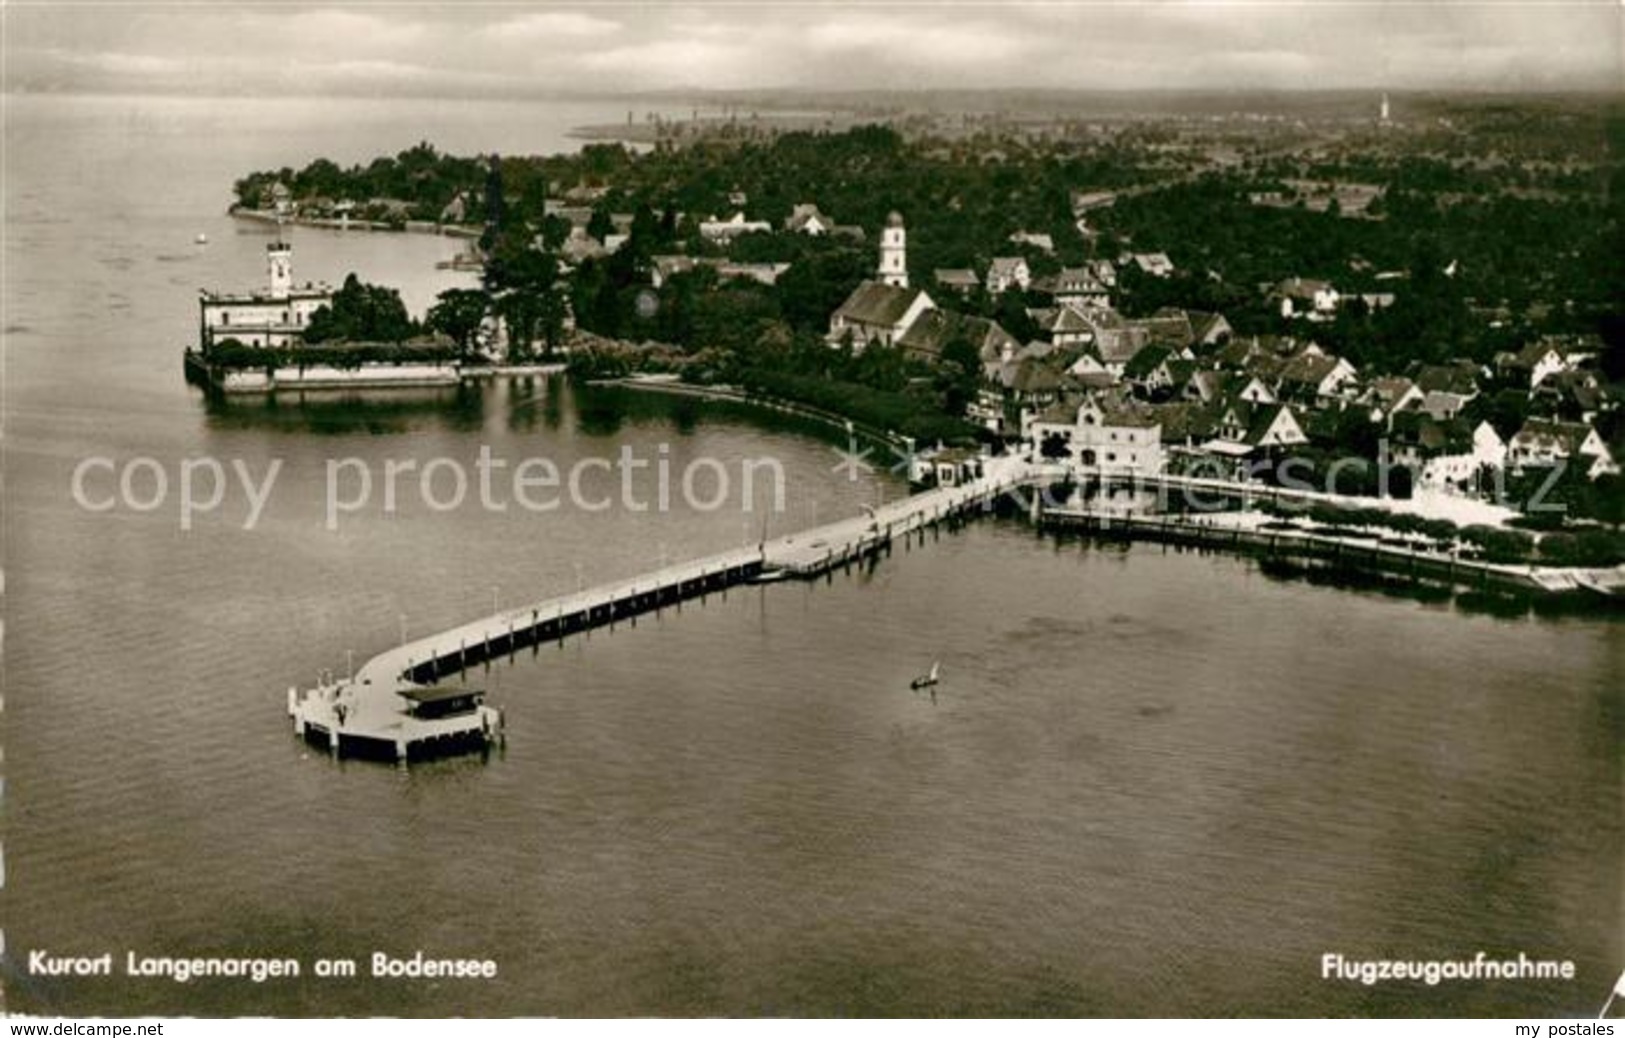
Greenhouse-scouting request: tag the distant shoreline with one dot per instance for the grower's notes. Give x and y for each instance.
(265, 216)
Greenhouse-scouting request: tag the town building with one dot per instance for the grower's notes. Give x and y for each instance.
(876, 312)
(1542, 443)
(1096, 437)
(1306, 297)
(806, 219)
(1006, 272)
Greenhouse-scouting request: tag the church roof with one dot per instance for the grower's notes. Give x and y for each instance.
(877, 303)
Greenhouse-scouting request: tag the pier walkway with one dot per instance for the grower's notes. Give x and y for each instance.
(394, 702)
(380, 706)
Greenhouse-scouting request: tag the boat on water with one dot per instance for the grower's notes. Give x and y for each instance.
(769, 576)
(927, 680)
(201, 239)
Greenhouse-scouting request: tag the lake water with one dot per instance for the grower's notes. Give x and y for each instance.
(1150, 783)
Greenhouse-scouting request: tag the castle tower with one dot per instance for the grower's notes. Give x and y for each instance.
(279, 261)
(893, 252)
(1385, 107)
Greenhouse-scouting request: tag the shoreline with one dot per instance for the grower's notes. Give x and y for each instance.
(1307, 553)
(726, 394)
(256, 382)
(445, 230)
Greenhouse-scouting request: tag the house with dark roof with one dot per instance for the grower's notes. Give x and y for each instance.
(1441, 405)
(1314, 378)
(1214, 386)
(805, 218)
(961, 280)
(1386, 396)
(1187, 424)
(1208, 328)
(1458, 377)
(1244, 428)
(934, 329)
(1169, 327)
(1576, 396)
(1063, 326)
(877, 312)
(1541, 359)
(1153, 369)
(1073, 286)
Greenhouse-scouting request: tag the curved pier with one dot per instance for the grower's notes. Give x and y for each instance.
(393, 706)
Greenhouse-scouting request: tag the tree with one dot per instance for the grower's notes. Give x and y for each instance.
(458, 313)
(495, 207)
(361, 313)
(961, 374)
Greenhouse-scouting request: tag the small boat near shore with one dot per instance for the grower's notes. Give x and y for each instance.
(927, 680)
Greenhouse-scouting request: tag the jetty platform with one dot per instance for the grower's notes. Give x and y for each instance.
(395, 706)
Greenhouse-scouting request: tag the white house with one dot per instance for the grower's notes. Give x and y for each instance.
(1315, 377)
(1542, 443)
(806, 219)
(1306, 297)
(1244, 428)
(1388, 396)
(1076, 286)
(1539, 360)
(1063, 326)
(275, 317)
(1109, 440)
(1457, 466)
(733, 227)
(1006, 271)
(1035, 239)
(1157, 264)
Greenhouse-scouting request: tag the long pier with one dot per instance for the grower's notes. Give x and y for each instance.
(395, 704)
(384, 707)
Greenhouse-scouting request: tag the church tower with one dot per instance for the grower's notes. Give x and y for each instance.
(279, 260)
(1384, 111)
(893, 252)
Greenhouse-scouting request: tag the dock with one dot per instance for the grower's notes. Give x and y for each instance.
(393, 706)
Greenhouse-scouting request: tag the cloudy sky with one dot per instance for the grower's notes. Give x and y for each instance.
(544, 49)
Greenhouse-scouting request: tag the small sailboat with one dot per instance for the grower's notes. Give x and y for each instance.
(927, 680)
(201, 239)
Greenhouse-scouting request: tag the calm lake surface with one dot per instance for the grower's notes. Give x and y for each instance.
(1150, 783)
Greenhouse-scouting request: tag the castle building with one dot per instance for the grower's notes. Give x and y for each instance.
(274, 317)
